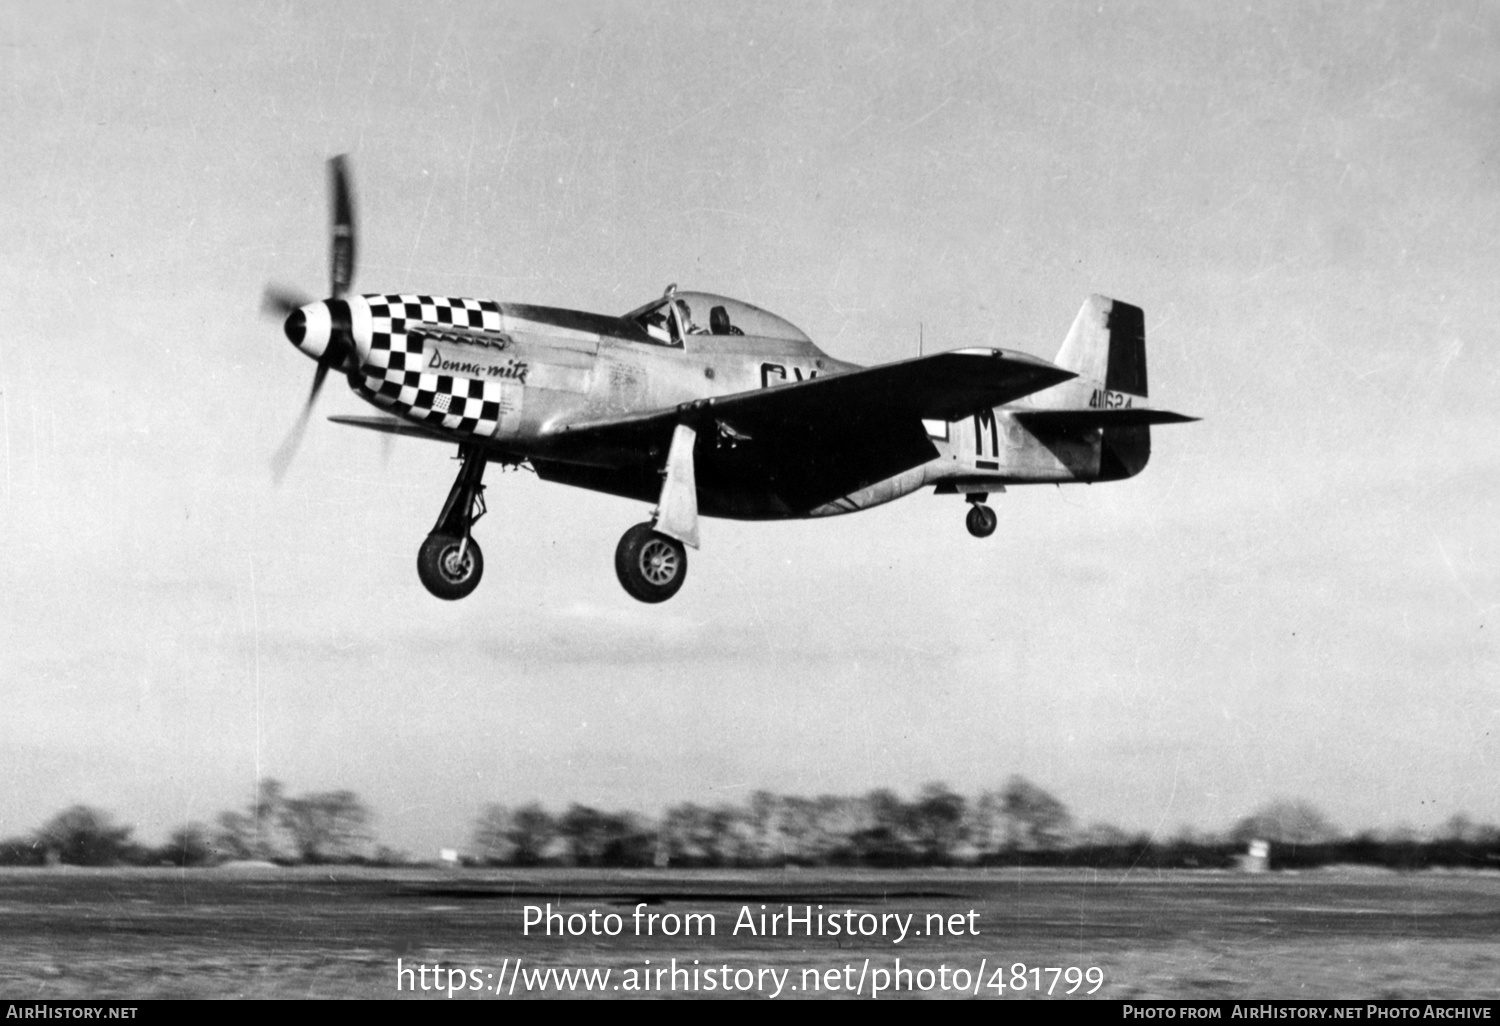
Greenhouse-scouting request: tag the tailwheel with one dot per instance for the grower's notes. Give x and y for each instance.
(981, 520)
(651, 566)
(450, 568)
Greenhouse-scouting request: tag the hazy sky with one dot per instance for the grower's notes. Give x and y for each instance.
(1298, 597)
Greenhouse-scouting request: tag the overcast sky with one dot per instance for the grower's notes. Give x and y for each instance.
(1296, 598)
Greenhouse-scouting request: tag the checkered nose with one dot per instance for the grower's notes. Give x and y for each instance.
(310, 328)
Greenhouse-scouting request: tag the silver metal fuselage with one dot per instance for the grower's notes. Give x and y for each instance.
(540, 370)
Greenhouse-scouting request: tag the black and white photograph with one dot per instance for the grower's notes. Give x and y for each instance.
(842, 500)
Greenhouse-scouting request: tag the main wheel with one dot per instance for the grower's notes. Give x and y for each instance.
(981, 520)
(444, 572)
(651, 566)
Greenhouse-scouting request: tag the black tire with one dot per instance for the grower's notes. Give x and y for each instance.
(650, 566)
(441, 571)
(981, 521)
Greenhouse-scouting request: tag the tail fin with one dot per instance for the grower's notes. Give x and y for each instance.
(1108, 344)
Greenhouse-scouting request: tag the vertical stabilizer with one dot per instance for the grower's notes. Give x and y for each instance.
(1107, 344)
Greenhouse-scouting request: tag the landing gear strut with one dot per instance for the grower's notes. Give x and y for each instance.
(981, 520)
(449, 561)
(650, 565)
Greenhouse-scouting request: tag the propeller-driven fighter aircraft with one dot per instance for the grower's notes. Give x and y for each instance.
(708, 406)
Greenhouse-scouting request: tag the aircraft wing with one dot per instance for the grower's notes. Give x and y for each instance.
(391, 426)
(943, 386)
(812, 441)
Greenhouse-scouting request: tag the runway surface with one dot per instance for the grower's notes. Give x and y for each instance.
(339, 932)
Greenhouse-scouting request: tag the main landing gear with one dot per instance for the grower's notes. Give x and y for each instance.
(650, 565)
(981, 520)
(449, 561)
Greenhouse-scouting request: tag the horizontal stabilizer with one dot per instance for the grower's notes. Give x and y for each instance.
(1082, 420)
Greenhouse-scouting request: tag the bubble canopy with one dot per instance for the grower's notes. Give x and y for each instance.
(705, 314)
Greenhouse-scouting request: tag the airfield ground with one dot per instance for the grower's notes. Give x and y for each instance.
(339, 932)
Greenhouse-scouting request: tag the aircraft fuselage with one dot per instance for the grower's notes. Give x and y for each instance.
(509, 376)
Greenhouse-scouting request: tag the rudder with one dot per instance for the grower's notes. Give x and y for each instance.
(1127, 350)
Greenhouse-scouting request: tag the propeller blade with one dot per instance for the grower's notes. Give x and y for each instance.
(341, 351)
(317, 386)
(341, 249)
(281, 302)
(282, 460)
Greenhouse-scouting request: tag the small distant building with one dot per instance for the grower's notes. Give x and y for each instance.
(1257, 859)
(449, 857)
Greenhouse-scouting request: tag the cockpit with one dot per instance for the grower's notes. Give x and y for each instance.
(702, 316)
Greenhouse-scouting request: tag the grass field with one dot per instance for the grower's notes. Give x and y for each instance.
(75, 933)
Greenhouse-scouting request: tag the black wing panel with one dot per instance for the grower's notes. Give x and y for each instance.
(813, 441)
(754, 465)
(944, 386)
(805, 465)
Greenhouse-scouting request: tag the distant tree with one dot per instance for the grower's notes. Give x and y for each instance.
(385, 855)
(235, 839)
(1188, 836)
(1458, 827)
(188, 846)
(257, 832)
(22, 851)
(882, 837)
(1102, 835)
(329, 826)
(1285, 821)
(722, 835)
(1034, 820)
(266, 815)
(531, 834)
(799, 828)
(493, 845)
(936, 824)
(597, 838)
(84, 836)
(688, 834)
(987, 823)
(884, 810)
(1462, 829)
(819, 831)
(586, 831)
(762, 825)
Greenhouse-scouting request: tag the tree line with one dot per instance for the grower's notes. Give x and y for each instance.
(1019, 824)
(318, 828)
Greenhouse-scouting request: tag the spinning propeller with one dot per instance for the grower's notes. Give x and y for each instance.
(321, 328)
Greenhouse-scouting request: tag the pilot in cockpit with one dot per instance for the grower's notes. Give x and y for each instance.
(685, 317)
(669, 323)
